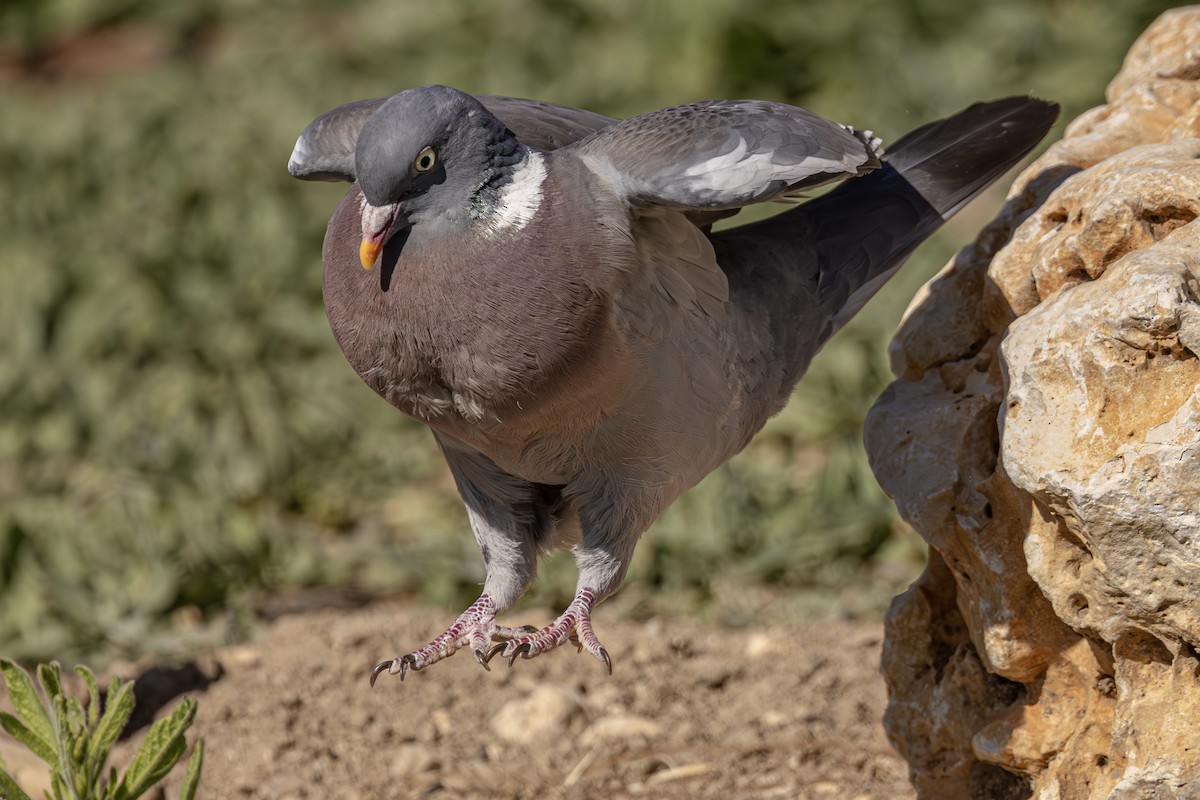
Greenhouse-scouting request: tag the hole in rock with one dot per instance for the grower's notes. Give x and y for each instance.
(1162, 221)
(990, 782)
(1142, 647)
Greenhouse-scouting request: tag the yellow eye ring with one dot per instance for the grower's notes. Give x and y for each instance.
(426, 160)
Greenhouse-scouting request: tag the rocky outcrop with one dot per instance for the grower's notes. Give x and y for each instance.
(1043, 436)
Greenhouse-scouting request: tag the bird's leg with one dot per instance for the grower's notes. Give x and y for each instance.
(601, 570)
(510, 558)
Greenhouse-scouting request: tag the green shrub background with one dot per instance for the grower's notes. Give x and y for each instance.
(180, 438)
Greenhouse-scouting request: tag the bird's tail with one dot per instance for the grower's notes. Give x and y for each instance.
(858, 235)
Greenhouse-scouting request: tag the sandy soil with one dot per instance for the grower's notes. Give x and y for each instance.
(690, 711)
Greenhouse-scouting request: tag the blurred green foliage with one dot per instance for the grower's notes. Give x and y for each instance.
(178, 428)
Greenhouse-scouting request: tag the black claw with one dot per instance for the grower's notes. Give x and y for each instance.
(529, 628)
(380, 667)
(522, 650)
(402, 665)
(492, 653)
(482, 659)
(604, 657)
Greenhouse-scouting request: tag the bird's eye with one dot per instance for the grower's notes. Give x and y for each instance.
(426, 160)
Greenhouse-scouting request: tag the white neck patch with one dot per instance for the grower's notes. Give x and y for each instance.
(521, 197)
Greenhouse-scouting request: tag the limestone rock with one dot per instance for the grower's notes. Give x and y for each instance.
(1102, 428)
(1044, 437)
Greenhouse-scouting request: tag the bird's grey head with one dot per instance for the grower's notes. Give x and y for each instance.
(410, 143)
(430, 152)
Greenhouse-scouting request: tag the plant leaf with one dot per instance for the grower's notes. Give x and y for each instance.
(117, 711)
(191, 778)
(93, 765)
(69, 737)
(9, 789)
(113, 789)
(29, 708)
(19, 731)
(50, 678)
(163, 747)
(58, 783)
(153, 769)
(77, 719)
(93, 710)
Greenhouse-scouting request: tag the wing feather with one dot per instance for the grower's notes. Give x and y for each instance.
(725, 154)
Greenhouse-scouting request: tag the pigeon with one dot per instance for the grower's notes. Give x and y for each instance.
(541, 286)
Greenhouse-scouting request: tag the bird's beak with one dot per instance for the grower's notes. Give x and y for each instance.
(378, 225)
(368, 252)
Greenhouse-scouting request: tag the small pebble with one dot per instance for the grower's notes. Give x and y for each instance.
(410, 760)
(620, 727)
(543, 713)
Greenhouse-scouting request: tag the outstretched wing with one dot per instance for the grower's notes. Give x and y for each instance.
(325, 150)
(724, 154)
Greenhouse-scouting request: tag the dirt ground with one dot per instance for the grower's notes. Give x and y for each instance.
(690, 711)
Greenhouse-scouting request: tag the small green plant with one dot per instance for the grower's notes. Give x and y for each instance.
(76, 742)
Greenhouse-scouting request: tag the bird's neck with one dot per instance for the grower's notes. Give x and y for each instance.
(512, 191)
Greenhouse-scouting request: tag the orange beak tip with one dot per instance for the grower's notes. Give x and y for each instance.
(368, 253)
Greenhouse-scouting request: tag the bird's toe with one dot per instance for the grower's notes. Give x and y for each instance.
(474, 628)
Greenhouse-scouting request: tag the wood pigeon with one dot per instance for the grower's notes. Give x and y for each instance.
(540, 285)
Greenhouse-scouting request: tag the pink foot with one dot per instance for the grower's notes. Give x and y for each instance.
(574, 624)
(476, 627)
